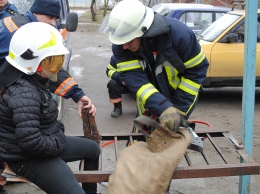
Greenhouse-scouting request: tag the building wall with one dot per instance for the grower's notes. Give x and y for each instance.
(217, 2)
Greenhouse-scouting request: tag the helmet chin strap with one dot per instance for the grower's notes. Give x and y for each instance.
(40, 72)
(39, 69)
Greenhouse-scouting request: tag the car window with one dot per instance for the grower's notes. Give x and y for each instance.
(218, 27)
(197, 21)
(219, 15)
(240, 31)
(164, 11)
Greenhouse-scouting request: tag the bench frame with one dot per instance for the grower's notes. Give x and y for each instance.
(246, 165)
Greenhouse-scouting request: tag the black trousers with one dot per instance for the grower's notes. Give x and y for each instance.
(116, 89)
(54, 176)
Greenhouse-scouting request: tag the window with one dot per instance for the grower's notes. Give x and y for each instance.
(197, 21)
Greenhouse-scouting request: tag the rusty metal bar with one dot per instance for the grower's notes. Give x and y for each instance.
(216, 147)
(116, 147)
(205, 171)
(205, 158)
(131, 139)
(81, 166)
(250, 167)
(100, 158)
(216, 171)
(188, 159)
(233, 141)
(245, 156)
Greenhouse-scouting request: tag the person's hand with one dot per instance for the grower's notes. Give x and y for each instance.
(85, 102)
(171, 118)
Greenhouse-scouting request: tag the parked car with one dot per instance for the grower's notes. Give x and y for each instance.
(197, 16)
(223, 45)
(67, 23)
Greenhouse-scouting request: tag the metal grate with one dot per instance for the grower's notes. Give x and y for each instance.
(219, 158)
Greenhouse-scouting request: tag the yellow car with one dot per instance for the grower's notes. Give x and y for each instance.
(223, 45)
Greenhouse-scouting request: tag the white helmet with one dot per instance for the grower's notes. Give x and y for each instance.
(32, 43)
(128, 20)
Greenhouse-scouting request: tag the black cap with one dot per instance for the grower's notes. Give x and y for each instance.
(47, 7)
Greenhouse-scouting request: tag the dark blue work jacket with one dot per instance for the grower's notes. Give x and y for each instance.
(167, 70)
(8, 10)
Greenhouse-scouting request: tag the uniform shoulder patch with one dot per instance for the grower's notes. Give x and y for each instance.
(12, 12)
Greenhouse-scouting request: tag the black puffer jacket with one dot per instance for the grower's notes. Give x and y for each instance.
(28, 121)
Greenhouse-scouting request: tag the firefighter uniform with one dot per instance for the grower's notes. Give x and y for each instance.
(115, 86)
(167, 70)
(161, 62)
(115, 89)
(65, 86)
(8, 10)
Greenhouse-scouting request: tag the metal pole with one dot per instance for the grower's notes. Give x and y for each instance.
(249, 86)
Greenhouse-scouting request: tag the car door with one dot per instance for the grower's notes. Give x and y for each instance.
(227, 59)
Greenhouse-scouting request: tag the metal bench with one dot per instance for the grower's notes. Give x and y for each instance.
(220, 157)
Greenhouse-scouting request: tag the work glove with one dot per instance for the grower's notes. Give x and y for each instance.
(186, 123)
(171, 118)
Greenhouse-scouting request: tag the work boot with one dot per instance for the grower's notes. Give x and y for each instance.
(117, 110)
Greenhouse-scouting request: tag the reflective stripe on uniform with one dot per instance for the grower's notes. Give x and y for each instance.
(172, 73)
(191, 106)
(145, 92)
(158, 70)
(65, 86)
(128, 65)
(195, 60)
(189, 86)
(143, 64)
(140, 107)
(10, 25)
(111, 71)
(115, 100)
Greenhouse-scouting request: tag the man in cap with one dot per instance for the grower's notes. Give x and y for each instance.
(46, 11)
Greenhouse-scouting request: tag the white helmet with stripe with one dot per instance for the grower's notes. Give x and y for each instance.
(128, 20)
(32, 43)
